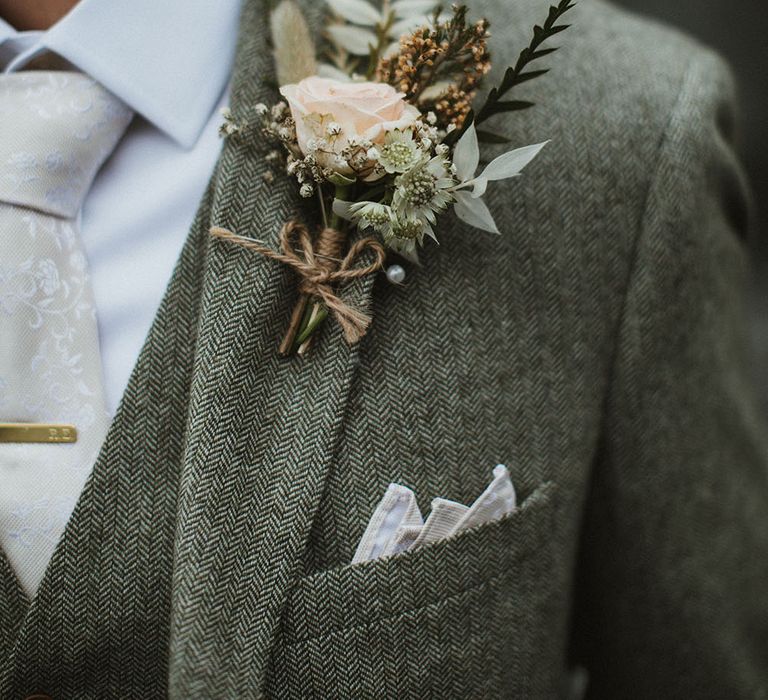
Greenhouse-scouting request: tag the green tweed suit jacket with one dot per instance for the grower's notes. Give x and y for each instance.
(596, 347)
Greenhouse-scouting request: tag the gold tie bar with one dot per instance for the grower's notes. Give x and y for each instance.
(48, 433)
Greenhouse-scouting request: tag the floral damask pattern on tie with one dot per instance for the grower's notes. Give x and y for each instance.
(56, 130)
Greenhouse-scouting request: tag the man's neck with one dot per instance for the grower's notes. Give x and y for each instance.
(34, 14)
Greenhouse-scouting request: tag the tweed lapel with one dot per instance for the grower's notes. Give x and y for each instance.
(262, 429)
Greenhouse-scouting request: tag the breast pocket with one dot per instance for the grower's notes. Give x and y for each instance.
(460, 618)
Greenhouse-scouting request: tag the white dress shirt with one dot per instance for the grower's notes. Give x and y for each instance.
(170, 63)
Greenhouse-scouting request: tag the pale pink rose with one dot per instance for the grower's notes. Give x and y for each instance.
(362, 110)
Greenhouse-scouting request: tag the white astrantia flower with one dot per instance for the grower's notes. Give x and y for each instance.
(424, 191)
(470, 208)
(379, 217)
(406, 236)
(401, 235)
(399, 152)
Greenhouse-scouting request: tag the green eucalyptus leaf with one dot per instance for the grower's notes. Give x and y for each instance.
(341, 180)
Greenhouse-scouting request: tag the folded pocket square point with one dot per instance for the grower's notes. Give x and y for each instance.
(397, 525)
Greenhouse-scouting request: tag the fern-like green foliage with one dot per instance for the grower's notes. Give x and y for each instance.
(517, 75)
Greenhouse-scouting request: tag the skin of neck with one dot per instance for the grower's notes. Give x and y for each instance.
(27, 15)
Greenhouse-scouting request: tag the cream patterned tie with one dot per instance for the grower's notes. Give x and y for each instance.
(56, 130)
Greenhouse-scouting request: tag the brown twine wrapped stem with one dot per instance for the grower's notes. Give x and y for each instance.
(322, 269)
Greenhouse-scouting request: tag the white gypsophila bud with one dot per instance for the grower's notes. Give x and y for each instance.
(226, 112)
(431, 118)
(317, 175)
(451, 127)
(373, 153)
(442, 149)
(278, 110)
(272, 156)
(261, 109)
(284, 133)
(426, 144)
(307, 190)
(334, 129)
(269, 177)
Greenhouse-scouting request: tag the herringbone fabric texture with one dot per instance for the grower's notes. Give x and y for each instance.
(593, 348)
(449, 638)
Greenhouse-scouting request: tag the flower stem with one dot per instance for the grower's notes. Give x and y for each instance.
(341, 192)
(295, 325)
(315, 313)
(321, 197)
(318, 314)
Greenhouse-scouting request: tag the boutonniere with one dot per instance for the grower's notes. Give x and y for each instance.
(386, 135)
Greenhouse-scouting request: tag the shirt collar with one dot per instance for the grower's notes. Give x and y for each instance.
(168, 61)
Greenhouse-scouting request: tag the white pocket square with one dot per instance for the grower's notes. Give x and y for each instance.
(397, 524)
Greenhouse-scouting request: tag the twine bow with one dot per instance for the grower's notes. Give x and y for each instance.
(321, 268)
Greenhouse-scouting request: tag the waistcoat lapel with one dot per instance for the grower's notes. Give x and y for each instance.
(262, 428)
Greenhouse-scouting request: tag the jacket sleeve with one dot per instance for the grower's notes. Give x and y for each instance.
(672, 576)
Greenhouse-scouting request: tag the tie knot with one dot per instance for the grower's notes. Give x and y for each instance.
(56, 130)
